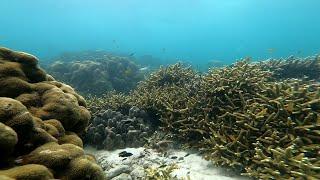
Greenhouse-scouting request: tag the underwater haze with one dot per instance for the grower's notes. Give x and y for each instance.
(196, 31)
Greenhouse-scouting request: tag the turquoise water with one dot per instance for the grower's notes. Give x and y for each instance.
(196, 31)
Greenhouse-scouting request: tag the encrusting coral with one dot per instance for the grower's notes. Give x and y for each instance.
(242, 116)
(40, 123)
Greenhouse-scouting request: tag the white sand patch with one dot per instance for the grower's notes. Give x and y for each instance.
(189, 164)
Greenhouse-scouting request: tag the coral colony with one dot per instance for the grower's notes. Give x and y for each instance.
(40, 123)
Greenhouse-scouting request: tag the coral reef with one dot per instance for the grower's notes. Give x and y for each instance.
(111, 130)
(96, 55)
(242, 116)
(40, 123)
(170, 87)
(293, 67)
(96, 76)
(110, 100)
(253, 123)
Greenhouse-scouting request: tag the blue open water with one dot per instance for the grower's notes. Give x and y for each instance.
(195, 31)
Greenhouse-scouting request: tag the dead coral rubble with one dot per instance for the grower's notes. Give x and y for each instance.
(40, 120)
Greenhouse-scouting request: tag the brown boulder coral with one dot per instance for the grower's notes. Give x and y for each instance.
(30, 171)
(83, 167)
(40, 120)
(8, 139)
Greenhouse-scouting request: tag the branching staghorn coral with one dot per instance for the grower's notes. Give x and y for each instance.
(275, 119)
(239, 116)
(294, 67)
(165, 91)
(110, 100)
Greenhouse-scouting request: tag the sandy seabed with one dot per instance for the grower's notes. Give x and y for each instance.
(189, 164)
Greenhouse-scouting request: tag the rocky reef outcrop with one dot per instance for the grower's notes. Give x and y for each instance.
(40, 123)
(98, 75)
(112, 130)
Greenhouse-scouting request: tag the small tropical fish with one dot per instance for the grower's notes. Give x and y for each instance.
(271, 50)
(128, 72)
(115, 43)
(215, 63)
(132, 54)
(144, 68)
(18, 160)
(299, 52)
(162, 166)
(163, 50)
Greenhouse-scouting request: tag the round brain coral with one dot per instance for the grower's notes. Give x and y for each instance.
(40, 120)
